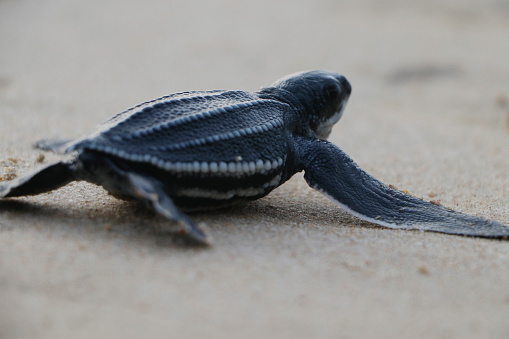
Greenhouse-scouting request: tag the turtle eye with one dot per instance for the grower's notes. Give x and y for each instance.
(335, 94)
(334, 99)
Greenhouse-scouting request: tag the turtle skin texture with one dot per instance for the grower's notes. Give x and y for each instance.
(207, 149)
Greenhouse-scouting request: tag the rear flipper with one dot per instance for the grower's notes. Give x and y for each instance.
(47, 179)
(53, 145)
(335, 174)
(151, 192)
(126, 181)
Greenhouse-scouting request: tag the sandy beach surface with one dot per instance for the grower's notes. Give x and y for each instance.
(429, 113)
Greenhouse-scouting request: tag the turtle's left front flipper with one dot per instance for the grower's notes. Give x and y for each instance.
(335, 174)
(47, 179)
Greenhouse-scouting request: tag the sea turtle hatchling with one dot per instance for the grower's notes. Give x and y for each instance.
(213, 148)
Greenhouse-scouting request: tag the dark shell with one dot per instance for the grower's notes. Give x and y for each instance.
(209, 131)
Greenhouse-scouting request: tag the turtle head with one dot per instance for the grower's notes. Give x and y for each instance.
(322, 94)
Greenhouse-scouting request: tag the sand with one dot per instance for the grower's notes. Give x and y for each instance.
(429, 113)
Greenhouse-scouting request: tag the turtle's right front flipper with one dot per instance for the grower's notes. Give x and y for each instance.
(47, 179)
(335, 174)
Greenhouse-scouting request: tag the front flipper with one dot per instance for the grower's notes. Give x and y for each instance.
(335, 174)
(121, 179)
(47, 179)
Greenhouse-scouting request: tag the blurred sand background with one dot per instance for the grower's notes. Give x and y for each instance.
(429, 113)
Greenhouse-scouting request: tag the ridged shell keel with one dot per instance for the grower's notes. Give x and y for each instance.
(212, 127)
